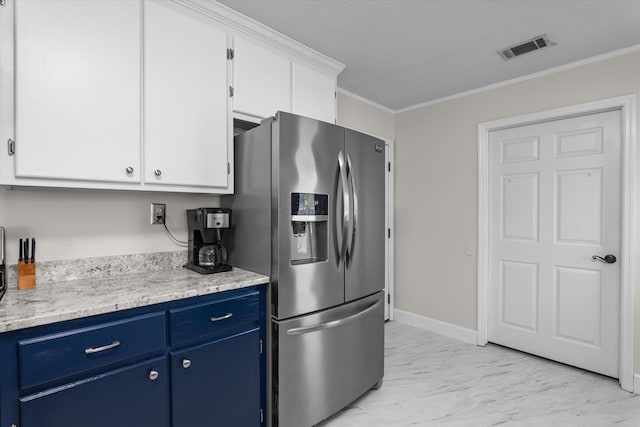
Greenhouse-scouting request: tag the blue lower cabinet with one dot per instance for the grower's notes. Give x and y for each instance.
(218, 383)
(133, 396)
(122, 369)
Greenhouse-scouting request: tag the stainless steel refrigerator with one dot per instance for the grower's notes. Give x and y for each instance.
(309, 212)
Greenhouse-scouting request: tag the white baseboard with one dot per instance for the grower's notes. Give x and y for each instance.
(636, 383)
(439, 327)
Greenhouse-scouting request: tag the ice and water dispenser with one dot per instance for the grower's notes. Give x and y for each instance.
(309, 218)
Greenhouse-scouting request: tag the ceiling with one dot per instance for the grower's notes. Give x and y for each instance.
(401, 53)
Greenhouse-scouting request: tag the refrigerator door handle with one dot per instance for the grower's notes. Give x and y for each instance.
(346, 202)
(350, 173)
(333, 323)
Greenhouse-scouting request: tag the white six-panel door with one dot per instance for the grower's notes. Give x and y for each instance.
(554, 203)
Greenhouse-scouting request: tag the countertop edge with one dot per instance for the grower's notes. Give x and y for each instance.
(144, 299)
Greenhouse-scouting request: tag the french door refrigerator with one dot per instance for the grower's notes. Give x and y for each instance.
(309, 212)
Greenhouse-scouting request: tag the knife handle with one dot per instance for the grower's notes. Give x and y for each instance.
(20, 257)
(26, 251)
(33, 250)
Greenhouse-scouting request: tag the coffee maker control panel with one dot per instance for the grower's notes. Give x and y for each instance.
(217, 220)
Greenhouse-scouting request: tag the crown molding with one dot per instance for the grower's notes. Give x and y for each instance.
(575, 64)
(365, 100)
(239, 24)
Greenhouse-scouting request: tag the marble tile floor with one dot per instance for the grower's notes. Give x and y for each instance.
(432, 380)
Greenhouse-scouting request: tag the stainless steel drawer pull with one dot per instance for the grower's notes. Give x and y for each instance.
(333, 323)
(217, 319)
(153, 375)
(186, 363)
(93, 350)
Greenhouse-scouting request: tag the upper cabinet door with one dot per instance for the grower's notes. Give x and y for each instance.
(261, 80)
(186, 125)
(77, 88)
(314, 93)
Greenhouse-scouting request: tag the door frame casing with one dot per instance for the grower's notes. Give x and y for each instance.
(627, 106)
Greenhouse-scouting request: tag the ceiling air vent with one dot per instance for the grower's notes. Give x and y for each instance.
(535, 43)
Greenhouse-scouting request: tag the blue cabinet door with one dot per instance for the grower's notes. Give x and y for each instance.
(133, 396)
(217, 383)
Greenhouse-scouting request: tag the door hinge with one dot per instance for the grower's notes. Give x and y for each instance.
(230, 91)
(388, 233)
(260, 346)
(228, 168)
(11, 147)
(388, 298)
(229, 54)
(389, 166)
(261, 416)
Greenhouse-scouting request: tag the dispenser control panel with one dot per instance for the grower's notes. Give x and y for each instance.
(309, 207)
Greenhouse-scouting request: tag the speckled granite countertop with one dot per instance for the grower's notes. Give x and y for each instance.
(113, 290)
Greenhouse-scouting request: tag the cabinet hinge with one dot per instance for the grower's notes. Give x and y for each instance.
(389, 166)
(388, 298)
(230, 91)
(229, 54)
(261, 416)
(260, 346)
(228, 168)
(388, 233)
(11, 147)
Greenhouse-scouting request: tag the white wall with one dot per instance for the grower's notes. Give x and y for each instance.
(72, 224)
(436, 183)
(363, 116)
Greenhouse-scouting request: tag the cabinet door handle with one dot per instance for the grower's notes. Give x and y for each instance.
(153, 375)
(93, 350)
(129, 170)
(217, 319)
(186, 363)
(157, 172)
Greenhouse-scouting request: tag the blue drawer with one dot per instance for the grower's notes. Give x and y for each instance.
(211, 318)
(56, 356)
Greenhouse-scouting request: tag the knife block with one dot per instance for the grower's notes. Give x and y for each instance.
(26, 275)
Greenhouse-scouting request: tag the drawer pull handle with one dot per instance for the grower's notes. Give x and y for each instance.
(93, 350)
(153, 375)
(186, 363)
(225, 317)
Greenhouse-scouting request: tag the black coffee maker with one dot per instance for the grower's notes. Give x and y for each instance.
(206, 252)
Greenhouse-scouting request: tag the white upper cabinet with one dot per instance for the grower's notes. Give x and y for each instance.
(314, 93)
(261, 80)
(77, 90)
(137, 94)
(186, 123)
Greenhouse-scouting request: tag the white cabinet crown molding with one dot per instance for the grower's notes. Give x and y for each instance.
(242, 24)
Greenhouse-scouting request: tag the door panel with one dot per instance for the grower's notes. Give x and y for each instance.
(520, 206)
(185, 95)
(217, 383)
(306, 161)
(366, 241)
(77, 90)
(519, 289)
(554, 192)
(125, 397)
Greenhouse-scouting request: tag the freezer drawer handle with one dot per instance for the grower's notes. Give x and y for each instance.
(94, 350)
(225, 317)
(333, 323)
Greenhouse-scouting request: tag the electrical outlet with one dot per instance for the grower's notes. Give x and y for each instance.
(158, 213)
